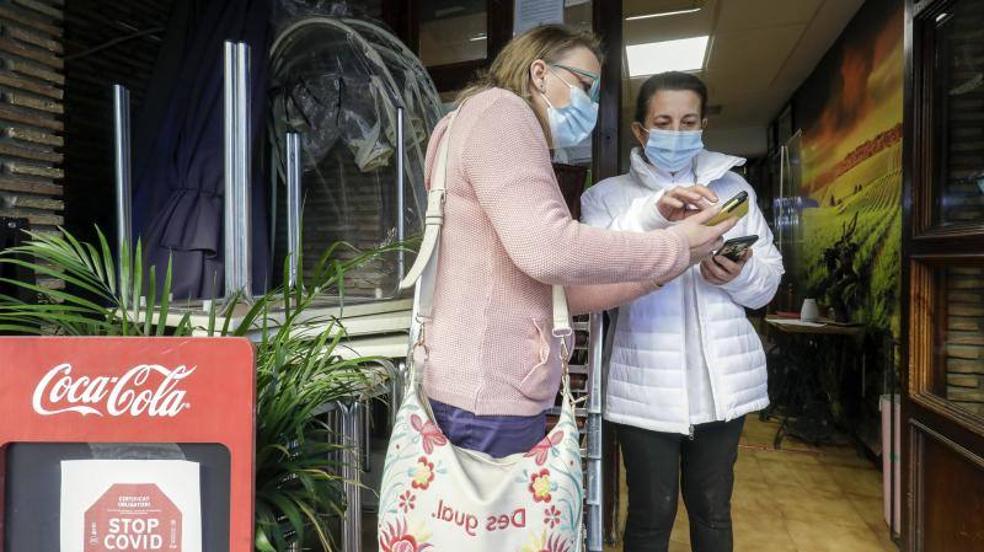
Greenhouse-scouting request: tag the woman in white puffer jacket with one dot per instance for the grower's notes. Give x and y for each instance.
(686, 365)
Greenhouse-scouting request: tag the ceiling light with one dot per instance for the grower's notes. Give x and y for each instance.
(686, 54)
(662, 14)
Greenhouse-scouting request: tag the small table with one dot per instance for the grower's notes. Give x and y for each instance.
(802, 385)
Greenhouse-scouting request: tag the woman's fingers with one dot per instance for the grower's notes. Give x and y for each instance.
(705, 193)
(681, 203)
(707, 273)
(697, 198)
(704, 215)
(730, 267)
(726, 225)
(688, 196)
(705, 249)
(671, 201)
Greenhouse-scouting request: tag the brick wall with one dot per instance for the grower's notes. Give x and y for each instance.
(31, 107)
(964, 345)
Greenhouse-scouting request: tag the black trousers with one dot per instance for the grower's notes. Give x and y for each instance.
(656, 464)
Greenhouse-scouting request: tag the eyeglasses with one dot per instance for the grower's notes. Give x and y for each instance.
(593, 91)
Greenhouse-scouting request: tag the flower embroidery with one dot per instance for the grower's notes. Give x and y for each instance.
(540, 486)
(551, 517)
(407, 502)
(542, 449)
(540, 543)
(430, 434)
(536, 542)
(396, 538)
(422, 474)
(557, 543)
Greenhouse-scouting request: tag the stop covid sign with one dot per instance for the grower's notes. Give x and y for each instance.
(133, 518)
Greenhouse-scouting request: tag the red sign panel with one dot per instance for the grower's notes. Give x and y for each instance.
(134, 518)
(136, 390)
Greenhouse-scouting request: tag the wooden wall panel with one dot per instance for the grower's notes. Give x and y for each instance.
(947, 471)
(31, 107)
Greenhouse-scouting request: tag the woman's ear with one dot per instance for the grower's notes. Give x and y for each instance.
(640, 133)
(538, 75)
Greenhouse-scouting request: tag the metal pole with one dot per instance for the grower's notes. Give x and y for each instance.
(229, 148)
(401, 229)
(238, 161)
(244, 226)
(121, 136)
(595, 503)
(293, 205)
(352, 437)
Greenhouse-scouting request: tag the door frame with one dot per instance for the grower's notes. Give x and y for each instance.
(925, 415)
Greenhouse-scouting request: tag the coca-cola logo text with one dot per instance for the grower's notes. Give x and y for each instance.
(144, 390)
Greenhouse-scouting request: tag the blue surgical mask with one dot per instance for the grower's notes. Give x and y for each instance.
(571, 124)
(673, 150)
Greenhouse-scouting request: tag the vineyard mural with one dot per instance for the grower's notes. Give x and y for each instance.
(850, 113)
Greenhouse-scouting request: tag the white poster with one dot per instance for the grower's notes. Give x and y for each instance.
(531, 13)
(130, 505)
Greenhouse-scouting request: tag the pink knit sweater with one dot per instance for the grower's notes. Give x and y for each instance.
(508, 236)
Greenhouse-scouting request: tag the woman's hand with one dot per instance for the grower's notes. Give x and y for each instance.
(704, 240)
(720, 270)
(680, 202)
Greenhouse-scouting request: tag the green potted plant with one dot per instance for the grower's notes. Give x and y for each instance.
(297, 486)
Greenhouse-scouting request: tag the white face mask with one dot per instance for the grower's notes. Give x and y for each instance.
(572, 124)
(673, 150)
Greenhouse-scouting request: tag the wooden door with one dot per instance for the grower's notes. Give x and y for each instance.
(943, 277)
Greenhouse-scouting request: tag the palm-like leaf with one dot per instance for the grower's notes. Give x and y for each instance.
(297, 483)
(96, 303)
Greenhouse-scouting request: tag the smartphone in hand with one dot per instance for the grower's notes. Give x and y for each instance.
(733, 248)
(736, 207)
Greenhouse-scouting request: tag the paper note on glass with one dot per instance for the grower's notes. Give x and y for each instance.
(134, 505)
(531, 13)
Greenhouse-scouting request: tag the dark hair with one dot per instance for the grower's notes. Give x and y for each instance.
(671, 80)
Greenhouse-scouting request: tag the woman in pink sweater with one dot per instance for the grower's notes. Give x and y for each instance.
(492, 365)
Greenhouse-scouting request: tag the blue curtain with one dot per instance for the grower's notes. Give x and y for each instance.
(178, 160)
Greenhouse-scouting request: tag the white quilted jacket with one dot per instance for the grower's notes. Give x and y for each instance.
(647, 378)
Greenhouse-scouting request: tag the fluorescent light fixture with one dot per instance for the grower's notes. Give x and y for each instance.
(686, 54)
(662, 14)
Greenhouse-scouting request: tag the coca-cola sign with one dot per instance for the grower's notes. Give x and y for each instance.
(144, 390)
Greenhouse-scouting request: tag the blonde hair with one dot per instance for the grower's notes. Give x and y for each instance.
(511, 68)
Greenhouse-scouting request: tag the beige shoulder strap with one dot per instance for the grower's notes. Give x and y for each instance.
(424, 269)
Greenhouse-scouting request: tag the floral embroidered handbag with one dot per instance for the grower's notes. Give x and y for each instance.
(438, 497)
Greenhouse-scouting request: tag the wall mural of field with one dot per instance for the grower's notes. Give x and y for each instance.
(850, 113)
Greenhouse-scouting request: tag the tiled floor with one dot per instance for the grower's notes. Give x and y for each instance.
(798, 499)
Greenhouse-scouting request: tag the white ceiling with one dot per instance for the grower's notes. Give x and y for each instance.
(760, 52)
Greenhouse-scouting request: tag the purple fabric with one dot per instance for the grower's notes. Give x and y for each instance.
(497, 436)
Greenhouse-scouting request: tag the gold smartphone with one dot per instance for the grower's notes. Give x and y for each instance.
(736, 207)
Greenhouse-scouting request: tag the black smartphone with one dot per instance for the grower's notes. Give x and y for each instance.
(735, 207)
(733, 248)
